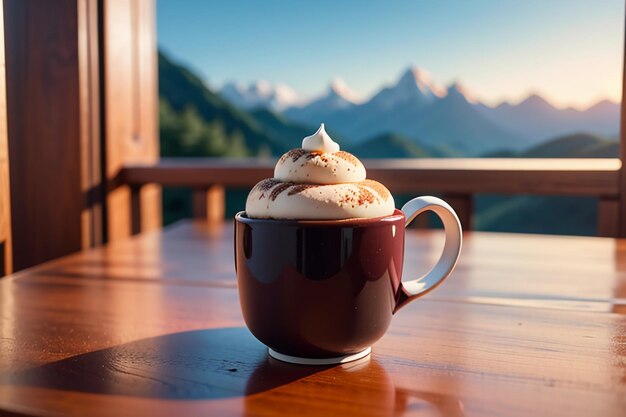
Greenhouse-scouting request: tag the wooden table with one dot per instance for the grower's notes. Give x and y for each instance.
(527, 325)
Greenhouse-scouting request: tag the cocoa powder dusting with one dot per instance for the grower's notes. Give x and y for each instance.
(276, 191)
(380, 189)
(347, 157)
(301, 187)
(312, 154)
(294, 154)
(365, 196)
(267, 184)
(347, 199)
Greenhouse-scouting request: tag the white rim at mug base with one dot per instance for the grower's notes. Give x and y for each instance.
(320, 361)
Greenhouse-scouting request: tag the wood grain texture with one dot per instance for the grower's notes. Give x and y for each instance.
(595, 177)
(6, 252)
(457, 179)
(556, 272)
(90, 127)
(143, 207)
(45, 131)
(148, 326)
(130, 106)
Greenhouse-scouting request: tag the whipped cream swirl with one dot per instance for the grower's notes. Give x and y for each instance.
(319, 181)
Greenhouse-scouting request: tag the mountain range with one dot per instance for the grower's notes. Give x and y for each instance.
(195, 121)
(260, 94)
(432, 116)
(576, 145)
(535, 118)
(412, 118)
(336, 99)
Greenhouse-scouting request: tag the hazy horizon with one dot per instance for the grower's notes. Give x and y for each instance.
(572, 60)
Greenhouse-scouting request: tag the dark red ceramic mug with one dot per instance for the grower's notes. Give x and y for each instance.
(323, 291)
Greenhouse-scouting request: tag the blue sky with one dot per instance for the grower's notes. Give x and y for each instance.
(568, 51)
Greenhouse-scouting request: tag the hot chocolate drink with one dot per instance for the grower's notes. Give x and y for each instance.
(319, 253)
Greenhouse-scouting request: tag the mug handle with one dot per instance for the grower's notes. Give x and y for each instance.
(410, 290)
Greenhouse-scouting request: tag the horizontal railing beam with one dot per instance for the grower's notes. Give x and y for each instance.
(575, 177)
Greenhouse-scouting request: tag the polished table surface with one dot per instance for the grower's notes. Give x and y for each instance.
(526, 326)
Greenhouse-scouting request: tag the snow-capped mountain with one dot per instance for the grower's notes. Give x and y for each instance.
(433, 117)
(337, 97)
(413, 91)
(260, 94)
(454, 118)
(339, 91)
(415, 88)
(417, 107)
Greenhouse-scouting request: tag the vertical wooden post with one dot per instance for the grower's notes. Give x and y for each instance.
(82, 101)
(209, 204)
(51, 133)
(135, 209)
(130, 104)
(463, 206)
(6, 256)
(608, 217)
(90, 126)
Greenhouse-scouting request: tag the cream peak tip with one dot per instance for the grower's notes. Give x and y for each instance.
(320, 141)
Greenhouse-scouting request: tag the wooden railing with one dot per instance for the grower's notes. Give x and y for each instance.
(456, 179)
